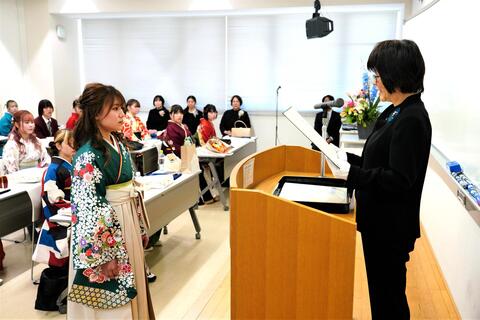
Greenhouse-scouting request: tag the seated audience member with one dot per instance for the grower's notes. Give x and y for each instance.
(176, 131)
(45, 125)
(52, 245)
(233, 115)
(76, 113)
(191, 115)
(158, 116)
(23, 149)
(206, 128)
(334, 123)
(133, 127)
(6, 122)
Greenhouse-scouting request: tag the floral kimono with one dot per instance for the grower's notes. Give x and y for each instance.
(133, 124)
(107, 224)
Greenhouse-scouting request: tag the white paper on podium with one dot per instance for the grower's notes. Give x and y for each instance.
(313, 193)
(308, 131)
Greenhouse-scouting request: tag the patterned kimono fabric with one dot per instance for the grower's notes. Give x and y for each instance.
(107, 225)
(133, 124)
(16, 159)
(206, 130)
(52, 247)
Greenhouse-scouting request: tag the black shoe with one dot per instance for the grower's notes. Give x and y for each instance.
(151, 277)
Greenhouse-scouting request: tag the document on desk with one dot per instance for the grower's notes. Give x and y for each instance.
(308, 131)
(313, 193)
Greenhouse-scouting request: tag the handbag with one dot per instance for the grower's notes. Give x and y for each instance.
(241, 132)
(189, 159)
(53, 281)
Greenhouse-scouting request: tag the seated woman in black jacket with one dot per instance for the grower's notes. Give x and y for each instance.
(233, 115)
(158, 116)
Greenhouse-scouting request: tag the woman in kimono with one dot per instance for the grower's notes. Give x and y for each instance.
(133, 127)
(108, 216)
(177, 132)
(23, 149)
(52, 246)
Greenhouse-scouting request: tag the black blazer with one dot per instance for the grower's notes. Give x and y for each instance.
(333, 128)
(156, 121)
(229, 118)
(191, 120)
(388, 178)
(41, 130)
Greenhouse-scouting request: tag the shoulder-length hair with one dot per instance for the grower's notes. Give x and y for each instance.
(19, 118)
(400, 65)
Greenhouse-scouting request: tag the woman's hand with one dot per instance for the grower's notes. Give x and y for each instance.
(110, 269)
(145, 240)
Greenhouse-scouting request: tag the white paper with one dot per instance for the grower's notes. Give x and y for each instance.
(248, 168)
(313, 193)
(308, 131)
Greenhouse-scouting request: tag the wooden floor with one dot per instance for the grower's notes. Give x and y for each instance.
(194, 276)
(427, 293)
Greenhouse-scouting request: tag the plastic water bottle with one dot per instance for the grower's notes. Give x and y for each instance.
(161, 161)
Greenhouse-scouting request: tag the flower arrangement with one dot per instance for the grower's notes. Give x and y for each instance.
(362, 107)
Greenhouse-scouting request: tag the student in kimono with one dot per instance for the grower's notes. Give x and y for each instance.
(23, 149)
(52, 247)
(176, 131)
(108, 217)
(206, 128)
(133, 127)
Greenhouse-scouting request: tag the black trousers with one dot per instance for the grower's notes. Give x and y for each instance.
(386, 274)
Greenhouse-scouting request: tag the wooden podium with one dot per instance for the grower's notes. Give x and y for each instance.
(287, 260)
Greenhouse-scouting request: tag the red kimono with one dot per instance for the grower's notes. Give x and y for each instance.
(206, 130)
(176, 133)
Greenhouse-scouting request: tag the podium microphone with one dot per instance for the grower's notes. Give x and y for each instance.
(332, 104)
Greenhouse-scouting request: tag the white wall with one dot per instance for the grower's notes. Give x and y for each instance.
(12, 47)
(455, 239)
(66, 66)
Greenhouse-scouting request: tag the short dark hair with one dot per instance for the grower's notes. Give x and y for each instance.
(176, 108)
(159, 97)
(330, 98)
(193, 98)
(10, 101)
(43, 104)
(238, 97)
(209, 108)
(400, 65)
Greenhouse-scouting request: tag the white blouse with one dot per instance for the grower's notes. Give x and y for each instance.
(15, 160)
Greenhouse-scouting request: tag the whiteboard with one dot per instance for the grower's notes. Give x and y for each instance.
(447, 36)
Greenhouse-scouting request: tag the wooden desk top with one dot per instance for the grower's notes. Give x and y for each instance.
(268, 186)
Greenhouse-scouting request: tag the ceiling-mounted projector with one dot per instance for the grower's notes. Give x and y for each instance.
(318, 27)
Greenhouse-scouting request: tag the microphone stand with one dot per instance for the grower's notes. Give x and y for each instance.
(324, 134)
(276, 117)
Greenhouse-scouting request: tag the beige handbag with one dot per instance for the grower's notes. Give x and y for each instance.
(241, 132)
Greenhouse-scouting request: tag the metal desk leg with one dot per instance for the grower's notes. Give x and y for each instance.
(218, 185)
(193, 214)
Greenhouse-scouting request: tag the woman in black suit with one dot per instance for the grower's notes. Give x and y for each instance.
(233, 115)
(388, 178)
(158, 116)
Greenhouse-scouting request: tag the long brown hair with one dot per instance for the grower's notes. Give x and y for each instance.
(18, 118)
(94, 98)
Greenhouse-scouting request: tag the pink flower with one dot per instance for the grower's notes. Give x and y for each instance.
(110, 241)
(88, 177)
(87, 272)
(89, 167)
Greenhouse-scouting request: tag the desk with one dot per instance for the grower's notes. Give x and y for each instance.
(164, 205)
(349, 139)
(22, 204)
(242, 147)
